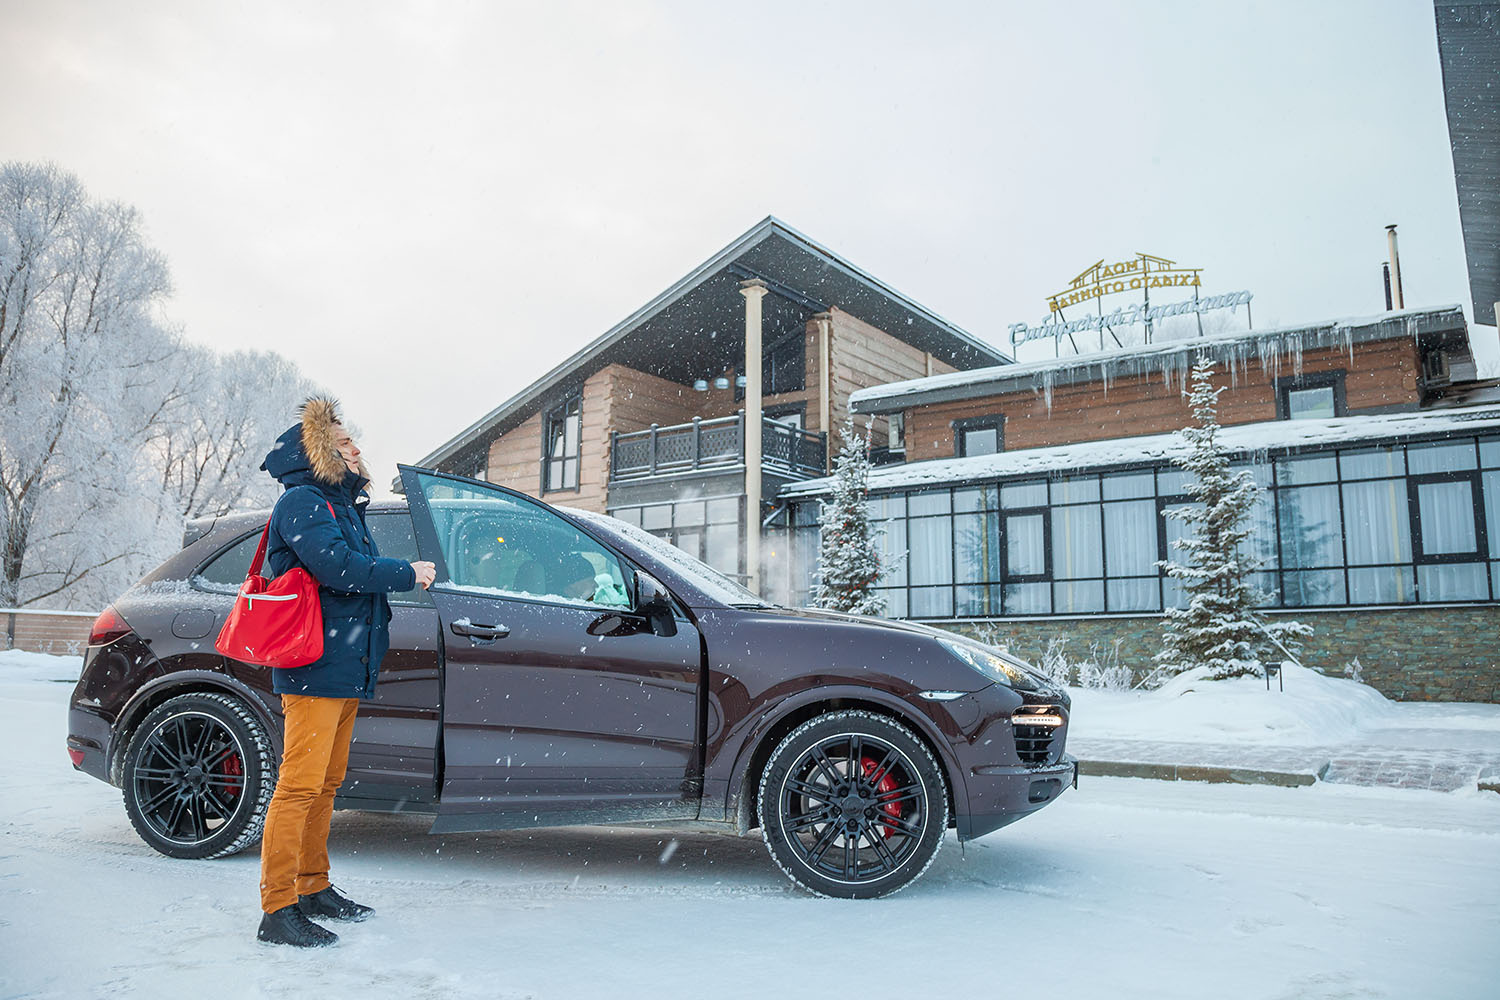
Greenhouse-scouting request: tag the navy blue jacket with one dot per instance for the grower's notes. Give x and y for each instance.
(337, 550)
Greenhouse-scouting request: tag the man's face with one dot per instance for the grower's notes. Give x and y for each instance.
(348, 450)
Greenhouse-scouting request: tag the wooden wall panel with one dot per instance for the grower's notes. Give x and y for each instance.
(1380, 375)
(515, 457)
(864, 355)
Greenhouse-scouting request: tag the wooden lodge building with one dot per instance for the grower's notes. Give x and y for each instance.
(650, 421)
(1029, 498)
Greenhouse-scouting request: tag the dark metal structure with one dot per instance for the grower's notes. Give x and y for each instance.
(1468, 34)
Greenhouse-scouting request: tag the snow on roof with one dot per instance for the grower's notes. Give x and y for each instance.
(1169, 358)
(1271, 435)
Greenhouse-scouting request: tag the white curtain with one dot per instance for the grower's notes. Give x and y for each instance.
(1131, 551)
(1376, 526)
(1445, 510)
(931, 550)
(1076, 548)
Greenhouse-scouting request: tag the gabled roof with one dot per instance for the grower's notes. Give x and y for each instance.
(805, 278)
(1445, 323)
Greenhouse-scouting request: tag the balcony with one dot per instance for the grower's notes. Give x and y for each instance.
(716, 444)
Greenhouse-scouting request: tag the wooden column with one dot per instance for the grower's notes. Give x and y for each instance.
(825, 380)
(753, 290)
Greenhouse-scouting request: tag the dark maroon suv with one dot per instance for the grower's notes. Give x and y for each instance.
(567, 668)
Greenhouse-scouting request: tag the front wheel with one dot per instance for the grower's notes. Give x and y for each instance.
(198, 776)
(852, 804)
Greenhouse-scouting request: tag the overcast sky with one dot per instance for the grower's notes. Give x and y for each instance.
(427, 206)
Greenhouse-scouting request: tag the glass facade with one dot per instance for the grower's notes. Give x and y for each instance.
(708, 529)
(1362, 525)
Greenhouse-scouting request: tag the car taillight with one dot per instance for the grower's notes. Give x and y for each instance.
(108, 627)
(76, 756)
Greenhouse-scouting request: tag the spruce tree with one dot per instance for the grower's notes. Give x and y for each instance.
(1221, 628)
(849, 558)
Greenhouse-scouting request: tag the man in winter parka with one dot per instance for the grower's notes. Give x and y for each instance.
(319, 524)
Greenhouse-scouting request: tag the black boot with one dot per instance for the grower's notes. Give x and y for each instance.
(330, 904)
(289, 925)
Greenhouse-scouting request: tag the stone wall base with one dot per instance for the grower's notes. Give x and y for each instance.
(1405, 653)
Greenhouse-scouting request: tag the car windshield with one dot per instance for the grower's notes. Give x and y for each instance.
(709, 580)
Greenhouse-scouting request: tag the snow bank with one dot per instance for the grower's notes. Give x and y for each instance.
(1313, 710)
(19, 665)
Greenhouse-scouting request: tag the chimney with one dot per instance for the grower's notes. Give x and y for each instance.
(1390, 236)
(1385, 272)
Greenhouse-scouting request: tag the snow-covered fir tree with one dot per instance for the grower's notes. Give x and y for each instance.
(849, 557)
(1221, 627)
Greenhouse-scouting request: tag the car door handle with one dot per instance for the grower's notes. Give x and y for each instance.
(468, 628)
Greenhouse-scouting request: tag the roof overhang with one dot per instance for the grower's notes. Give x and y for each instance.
(696, 327)
(1444, 326)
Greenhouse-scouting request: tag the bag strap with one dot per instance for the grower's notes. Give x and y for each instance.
(260, 550)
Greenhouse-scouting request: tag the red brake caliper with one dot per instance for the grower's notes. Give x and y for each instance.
(232, 768)
(885, 786)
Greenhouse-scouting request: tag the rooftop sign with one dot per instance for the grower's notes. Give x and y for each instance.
(1141, 274)
(1144, 272)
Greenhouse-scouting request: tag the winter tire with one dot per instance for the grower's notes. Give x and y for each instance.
(198, 776)
(852, 804)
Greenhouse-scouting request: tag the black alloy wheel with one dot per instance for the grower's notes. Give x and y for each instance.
(852, 804)
(198, 776)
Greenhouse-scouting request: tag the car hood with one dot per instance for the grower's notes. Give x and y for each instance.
(818, 614)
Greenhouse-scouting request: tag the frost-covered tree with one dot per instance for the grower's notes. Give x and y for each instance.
(79, 346)
(114, 429)
(1221, 627)
(227, 411)
(849, 556)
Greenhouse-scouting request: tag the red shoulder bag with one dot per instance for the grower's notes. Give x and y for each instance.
(275, 623)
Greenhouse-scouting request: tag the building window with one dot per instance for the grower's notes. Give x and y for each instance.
(479, 466)
(1317, 396)
(1449, 535)
(1370, 524)
(708, 530)
(791, 416)
(561, 446)
(783, 367)
(979, 436)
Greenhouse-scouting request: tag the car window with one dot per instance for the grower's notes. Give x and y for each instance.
(226, 571)
(494, 543)
(392, 534)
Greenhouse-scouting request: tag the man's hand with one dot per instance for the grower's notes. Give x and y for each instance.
(426, 573)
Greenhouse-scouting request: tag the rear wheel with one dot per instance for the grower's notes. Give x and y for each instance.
(852, 804)
(198, 776)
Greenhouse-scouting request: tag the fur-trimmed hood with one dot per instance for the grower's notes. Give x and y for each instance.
(308, 452)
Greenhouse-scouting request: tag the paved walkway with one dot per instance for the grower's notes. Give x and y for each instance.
(1458, 760)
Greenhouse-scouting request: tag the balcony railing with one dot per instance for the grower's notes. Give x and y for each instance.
(707, 444)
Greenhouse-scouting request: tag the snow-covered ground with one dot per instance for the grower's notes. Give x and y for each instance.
(1124, 888)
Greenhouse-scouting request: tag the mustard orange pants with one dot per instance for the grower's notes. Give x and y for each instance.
(294, 847)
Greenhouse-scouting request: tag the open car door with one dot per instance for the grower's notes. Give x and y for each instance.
(561, 703)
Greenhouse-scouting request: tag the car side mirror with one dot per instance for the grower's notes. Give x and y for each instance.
(653, 601)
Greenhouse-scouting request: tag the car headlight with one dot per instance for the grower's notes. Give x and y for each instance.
(994, 666)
